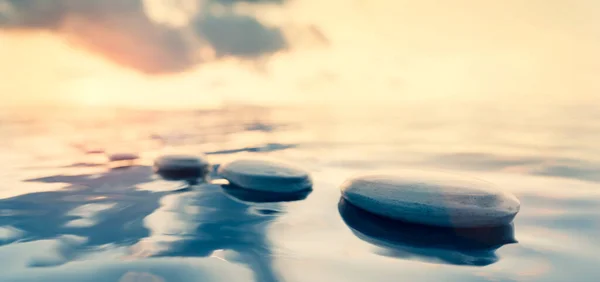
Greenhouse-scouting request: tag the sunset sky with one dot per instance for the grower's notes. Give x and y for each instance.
(202, 53)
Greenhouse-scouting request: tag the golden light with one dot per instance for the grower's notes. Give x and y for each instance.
(385, 52)
(176, 13)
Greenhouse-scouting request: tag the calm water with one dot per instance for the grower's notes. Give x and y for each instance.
(66, 215)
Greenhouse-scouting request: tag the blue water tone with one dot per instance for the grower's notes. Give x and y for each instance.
(66, 215)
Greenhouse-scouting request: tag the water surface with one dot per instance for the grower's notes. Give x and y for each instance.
(67, 215)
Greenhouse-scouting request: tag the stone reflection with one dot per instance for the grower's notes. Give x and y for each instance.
(109, 209)
(263, 196)
(204, 221)
(472, 246)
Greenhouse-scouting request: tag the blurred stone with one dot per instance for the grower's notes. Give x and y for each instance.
(181, 167)
(266, 175)
(432, 198)
(122, 157)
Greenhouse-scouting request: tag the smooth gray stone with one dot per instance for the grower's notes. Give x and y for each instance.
(181, 167)
(432, 198)
(265, 175)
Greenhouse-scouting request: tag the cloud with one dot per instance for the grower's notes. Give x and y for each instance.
(229, 2)
(241, 36)
(150, 36)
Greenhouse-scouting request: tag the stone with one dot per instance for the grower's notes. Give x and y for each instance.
(432, 198)
(117, 157)
(94, 151)
(265, 175)
(181, 167)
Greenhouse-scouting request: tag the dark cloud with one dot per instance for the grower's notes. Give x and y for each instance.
(242, 36)
(121, 31)
(50, 13)
(230, 2)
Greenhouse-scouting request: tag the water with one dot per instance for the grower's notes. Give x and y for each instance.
(66, 215)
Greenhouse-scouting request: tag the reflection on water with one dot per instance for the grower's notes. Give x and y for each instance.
(108, 210)
(548, 166)
(405, 240)
(66, 216)
(204, 220)
(74, 209)
(264, 197)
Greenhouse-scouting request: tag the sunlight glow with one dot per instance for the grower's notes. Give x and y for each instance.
(177, 13)
(394, 52)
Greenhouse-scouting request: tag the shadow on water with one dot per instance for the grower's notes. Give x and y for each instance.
(188, 176)
(195, 222)
(269, 147)
(264, 197)
(472, 246)
(46, 215)
(206, 220)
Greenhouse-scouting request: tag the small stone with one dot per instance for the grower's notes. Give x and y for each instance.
(117, 157)
(432, 198)
(181, 167)
(94, 151)
(265, 175)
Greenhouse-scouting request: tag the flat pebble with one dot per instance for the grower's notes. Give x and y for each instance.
(122, 157)
(265, 175)
(432, 198)
(181, 167)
